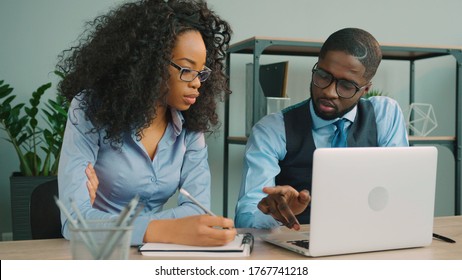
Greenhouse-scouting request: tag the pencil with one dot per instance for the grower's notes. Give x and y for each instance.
(186, 193)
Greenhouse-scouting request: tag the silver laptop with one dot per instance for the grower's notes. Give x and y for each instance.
(367, 199)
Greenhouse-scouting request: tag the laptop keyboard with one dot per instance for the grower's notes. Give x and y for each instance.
(300, 243)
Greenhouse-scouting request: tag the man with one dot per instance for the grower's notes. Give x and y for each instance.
(276, 179)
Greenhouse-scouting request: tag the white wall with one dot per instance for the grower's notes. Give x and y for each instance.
(33, 32)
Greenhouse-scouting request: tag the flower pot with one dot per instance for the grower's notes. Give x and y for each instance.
(21, 188)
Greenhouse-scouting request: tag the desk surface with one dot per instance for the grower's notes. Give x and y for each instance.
(56, 249)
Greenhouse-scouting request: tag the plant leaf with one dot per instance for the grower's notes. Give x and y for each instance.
(5, 90)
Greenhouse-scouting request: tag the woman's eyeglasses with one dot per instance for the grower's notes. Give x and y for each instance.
(188, 75)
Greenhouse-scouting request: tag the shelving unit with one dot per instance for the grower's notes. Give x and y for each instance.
(258, 46)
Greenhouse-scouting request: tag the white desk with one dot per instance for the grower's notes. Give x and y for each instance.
(56, 249)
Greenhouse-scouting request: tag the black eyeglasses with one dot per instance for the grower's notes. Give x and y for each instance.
(188, 75)
(323, 79)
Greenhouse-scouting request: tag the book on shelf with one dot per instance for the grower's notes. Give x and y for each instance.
(273, 82)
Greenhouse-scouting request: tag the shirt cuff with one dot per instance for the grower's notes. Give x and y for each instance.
(139, 230)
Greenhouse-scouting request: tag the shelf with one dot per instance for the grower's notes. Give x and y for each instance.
(240, 140)
(445, 140)
(258, 46)
(300, 47)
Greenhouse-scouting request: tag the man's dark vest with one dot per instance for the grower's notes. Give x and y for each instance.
(297, 165)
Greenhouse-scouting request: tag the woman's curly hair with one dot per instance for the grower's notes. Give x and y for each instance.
(121, 63)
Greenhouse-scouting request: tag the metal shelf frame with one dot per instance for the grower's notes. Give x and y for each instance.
(258, 46)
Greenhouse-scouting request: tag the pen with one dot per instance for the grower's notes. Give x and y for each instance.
(82, 221)
(443, 238)
(87, 239)
(122, 222)
(186, 193)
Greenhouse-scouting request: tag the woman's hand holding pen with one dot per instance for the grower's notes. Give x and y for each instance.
(283, 203)
(199, 230)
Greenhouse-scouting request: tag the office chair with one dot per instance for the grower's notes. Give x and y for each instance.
(45, 219)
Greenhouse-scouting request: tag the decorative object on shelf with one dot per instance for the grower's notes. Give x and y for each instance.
(276, 104)
(421, 119)
(374, 92)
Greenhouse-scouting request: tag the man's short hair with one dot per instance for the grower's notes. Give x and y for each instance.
(358, 43)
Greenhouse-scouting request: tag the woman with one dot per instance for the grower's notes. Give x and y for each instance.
(143, 83)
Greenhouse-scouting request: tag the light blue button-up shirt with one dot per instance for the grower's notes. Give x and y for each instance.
(267, 146)
(180, 161)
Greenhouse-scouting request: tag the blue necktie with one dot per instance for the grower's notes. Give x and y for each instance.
(339, 139)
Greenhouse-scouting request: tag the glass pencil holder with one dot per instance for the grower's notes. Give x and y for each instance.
(100, 240)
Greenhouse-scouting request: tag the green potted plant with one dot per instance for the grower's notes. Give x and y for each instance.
(38, 147)
(374, 92)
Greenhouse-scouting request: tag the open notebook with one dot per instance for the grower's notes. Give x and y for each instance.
(367, 199)
(241, 246)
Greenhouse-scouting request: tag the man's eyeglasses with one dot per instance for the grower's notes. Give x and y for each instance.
(323, 79)
(188, 75)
